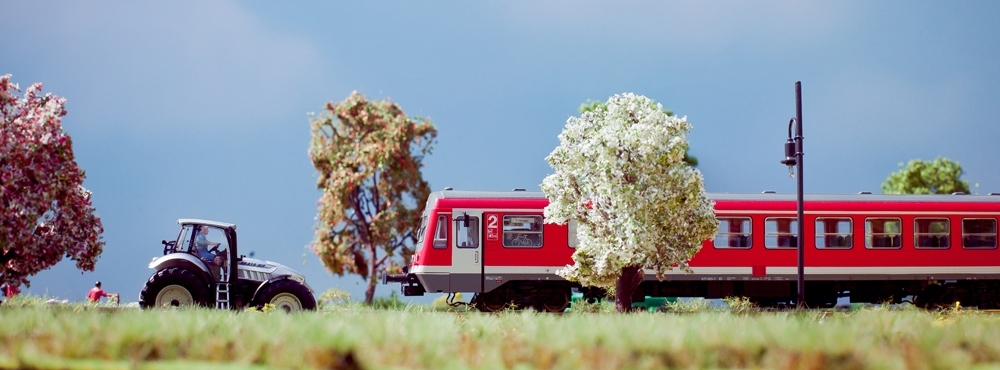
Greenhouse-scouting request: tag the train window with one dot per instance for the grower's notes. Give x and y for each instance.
(441, 234)
(931, 233)
(883, 233)
(979, 233)
(833, 233)
(734, 233)
(780, 233)
(467, 236)
(573, 239)
(522, 231)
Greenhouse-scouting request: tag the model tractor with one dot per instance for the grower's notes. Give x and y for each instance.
(201, 267)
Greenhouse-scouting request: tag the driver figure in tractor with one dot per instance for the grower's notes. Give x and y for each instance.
(201, 244)
(209, 252)
(215, 261)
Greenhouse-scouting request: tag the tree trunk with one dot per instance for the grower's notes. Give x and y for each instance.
(627, 283)
(372, 278)
(370, 292)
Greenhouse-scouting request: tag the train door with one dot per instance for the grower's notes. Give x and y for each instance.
(467, 251)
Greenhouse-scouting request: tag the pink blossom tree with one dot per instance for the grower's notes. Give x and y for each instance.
(45, 212)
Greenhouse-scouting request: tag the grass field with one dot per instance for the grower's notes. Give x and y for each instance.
(36, 335)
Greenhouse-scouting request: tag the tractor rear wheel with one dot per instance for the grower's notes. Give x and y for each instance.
(174, 286)
(288, 295)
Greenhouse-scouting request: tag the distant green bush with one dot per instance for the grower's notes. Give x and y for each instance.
(392, 302)
(333, 297)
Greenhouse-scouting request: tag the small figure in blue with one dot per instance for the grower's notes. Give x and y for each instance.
(201, 244)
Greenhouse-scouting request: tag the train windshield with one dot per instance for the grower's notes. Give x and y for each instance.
(420, 234)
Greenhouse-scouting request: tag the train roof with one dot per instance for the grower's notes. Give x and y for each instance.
(473, 194)
(880, 198)
(767, 196)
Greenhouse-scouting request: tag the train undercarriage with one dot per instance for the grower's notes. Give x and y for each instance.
(542, 296)
(929, 294)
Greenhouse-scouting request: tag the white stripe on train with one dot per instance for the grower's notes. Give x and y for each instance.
(769, 270)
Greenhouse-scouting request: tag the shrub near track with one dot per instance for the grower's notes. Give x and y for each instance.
(352, 336)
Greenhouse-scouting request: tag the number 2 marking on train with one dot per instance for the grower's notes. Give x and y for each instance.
(492, 228)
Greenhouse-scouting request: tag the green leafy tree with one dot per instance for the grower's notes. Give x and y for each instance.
(368, 155)
(942, 176)
(620, 174)
(596, 105)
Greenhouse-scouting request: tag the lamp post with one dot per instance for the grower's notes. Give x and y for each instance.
(793, 157)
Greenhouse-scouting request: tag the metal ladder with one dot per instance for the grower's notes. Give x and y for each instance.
(222, 291)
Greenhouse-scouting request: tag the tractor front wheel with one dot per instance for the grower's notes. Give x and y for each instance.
(288, 295)
(174, 286)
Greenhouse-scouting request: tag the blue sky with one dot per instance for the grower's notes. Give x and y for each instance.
(199, 109)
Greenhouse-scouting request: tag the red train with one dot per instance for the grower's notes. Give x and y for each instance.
(937, 249)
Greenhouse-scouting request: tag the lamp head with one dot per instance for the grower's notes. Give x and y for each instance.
(789, 160)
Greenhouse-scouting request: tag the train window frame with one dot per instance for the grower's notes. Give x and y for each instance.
(729, 244)
(472, 235)
(572, 239)
(420, 233)
(917, 234)
(529, 235)
(870, 236)
(821, 235)
(792, 234)
(439, 227)
(967, 235)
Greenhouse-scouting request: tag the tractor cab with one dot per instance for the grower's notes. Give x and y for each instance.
(210, 243)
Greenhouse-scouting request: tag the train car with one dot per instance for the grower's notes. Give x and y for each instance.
(936, 249)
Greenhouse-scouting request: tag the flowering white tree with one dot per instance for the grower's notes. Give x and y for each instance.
(620, 173)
